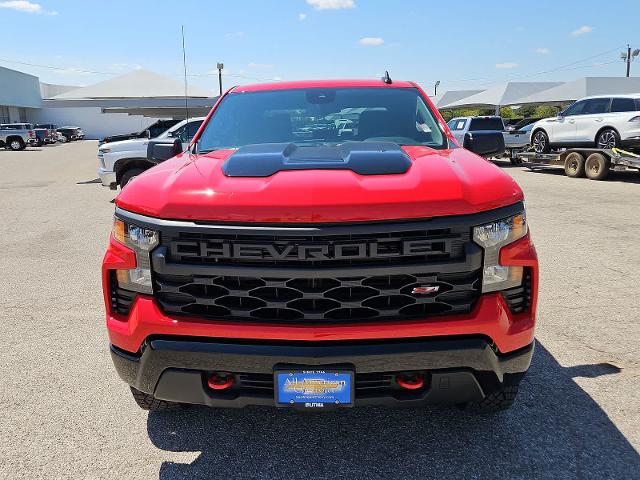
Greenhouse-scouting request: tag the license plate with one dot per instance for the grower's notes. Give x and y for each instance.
(314, 388)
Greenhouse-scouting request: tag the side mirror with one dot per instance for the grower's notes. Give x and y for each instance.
(163, 149)
(147, 133)
(486, 144)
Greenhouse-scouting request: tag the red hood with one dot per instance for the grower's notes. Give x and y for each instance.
(439, 182)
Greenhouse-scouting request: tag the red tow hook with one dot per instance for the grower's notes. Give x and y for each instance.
(220, 382)
(412, 381)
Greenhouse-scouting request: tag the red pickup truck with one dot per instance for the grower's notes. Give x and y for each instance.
(322, 244)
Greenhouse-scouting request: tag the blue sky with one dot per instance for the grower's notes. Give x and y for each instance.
(464, 43)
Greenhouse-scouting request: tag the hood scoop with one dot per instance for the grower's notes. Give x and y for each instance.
(363, 158)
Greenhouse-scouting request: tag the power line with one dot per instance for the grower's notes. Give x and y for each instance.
(542, 72)
(51, 67)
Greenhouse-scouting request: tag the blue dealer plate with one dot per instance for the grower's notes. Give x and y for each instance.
(314, 388)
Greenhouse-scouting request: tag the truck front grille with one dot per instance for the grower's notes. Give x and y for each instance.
(312, 274)
(339, 299)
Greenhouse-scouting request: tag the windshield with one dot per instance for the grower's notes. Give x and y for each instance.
(322, 116)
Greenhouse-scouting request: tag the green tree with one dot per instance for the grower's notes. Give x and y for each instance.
(543, 111)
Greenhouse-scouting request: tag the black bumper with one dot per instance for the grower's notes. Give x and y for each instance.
(456, 370)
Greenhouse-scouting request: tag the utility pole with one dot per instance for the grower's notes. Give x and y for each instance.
(628, 56)
(435, 88)
(220, 67)
(628, 60)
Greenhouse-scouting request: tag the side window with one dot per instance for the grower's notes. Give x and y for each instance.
(457, 124)
(179, 133)
(575, 109)
(192, 128)
(596, 105)
(623, 105)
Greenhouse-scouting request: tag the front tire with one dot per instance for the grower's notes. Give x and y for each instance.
(540, 142)
(574, 165)
(608, 139)
(494, 402)
(128, 175)
(148, 402)
(17, 144)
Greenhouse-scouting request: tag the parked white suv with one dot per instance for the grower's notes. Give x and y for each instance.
(604, 121)
(119, 162)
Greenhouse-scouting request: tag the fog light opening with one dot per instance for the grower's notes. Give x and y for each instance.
(219, 381)
(410, 381)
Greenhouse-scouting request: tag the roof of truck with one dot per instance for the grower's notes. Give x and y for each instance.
(322, 84)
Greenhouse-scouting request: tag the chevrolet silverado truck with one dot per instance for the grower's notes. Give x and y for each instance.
(17, 136)
(283, 261)
(120, 161)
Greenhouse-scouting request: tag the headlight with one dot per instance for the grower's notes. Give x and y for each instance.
(142, 241)
(102, 151)
(492, 237)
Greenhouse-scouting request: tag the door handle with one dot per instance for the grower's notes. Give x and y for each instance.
(572, 121)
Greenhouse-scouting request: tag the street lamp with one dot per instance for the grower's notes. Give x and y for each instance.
(220, 67)
(435, 88)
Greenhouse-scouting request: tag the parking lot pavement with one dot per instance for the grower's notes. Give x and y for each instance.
(65, 413)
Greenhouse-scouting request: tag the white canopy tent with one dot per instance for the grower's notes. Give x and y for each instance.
(583, 87)
(500, 95)
(452, 96)
(135, 84)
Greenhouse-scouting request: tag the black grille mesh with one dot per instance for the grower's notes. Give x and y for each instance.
(317, 299)
(121, 300)
(519, 299)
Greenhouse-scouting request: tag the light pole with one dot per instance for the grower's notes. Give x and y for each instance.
(435, 88)
(628, 56)
(220, 67)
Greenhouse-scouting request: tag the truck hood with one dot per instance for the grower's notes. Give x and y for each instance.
(127, 145)
(438, 183)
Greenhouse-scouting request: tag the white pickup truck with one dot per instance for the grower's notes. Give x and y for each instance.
(120, 161)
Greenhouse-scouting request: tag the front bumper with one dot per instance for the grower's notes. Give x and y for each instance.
(457, 370)
(107, 177)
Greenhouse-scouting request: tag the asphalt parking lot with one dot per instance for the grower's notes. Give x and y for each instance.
(66, 414)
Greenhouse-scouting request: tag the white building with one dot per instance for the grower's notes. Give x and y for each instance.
(19, 95)
(123, 104)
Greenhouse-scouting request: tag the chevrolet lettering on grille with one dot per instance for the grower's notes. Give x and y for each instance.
(301, 251)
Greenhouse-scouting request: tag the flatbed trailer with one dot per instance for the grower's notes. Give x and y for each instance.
(594, 163)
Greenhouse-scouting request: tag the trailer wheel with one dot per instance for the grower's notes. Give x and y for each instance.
(574, 165)
(597, 166)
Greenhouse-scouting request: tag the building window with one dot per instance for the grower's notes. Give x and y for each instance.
(4, 115)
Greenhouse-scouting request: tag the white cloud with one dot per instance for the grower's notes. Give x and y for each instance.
(259, 65)
(542, 50)
(302, 16)
(25, 6)
(506, 65)
(331, 4)
(373, 41)
(582, 30)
